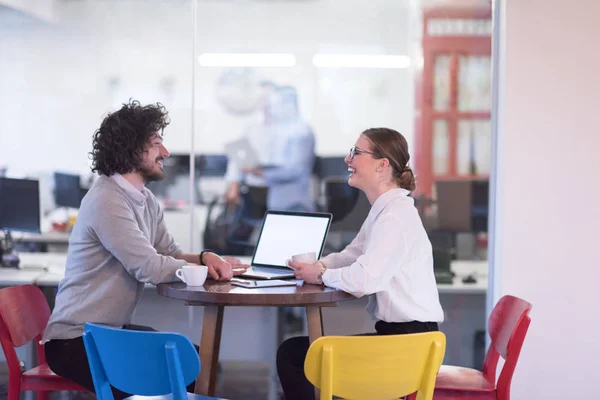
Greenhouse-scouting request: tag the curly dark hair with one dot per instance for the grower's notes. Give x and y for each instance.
(118, 145)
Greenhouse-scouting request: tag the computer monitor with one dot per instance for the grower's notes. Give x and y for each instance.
(330, 167)
(213, 165)
(67, 190)
(462, 205)
(20, 205)
(480, 204)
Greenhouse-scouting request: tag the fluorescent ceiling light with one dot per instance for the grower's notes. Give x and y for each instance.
(247, 60)
(360, 61)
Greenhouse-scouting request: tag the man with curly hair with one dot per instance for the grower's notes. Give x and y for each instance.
(119, 241)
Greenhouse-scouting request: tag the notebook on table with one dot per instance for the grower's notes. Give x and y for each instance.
(284, 234)
(263, 283)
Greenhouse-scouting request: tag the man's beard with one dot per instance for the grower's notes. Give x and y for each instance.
(150, 174)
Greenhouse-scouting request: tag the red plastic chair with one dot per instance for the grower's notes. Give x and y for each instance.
(508, 325)
(24, 313)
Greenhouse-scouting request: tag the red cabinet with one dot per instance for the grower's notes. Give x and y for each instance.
(453, 132)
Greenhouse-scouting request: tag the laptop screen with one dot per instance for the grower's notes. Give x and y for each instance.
(285, 234)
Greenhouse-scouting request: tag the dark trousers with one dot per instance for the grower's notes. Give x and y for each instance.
(292, 353)
(68, 358)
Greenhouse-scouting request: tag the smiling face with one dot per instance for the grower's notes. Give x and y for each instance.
(151, 166)
(363, 166)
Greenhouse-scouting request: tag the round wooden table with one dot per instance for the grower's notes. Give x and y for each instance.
(214, 296)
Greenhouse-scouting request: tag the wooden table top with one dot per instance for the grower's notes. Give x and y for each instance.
(224, 293)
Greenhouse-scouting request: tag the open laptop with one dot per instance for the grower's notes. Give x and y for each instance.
(242, 153)
(284, 234)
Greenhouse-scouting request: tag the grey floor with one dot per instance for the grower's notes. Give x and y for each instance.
(237, 380)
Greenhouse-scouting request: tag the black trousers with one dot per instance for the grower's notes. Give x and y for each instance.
(292, 353)
(68, 358)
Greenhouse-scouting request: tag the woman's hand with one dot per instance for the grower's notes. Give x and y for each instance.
(309, 273)
(222, 269)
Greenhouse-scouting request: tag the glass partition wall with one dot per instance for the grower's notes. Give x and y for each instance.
(347, 64)
(61, 73)
(229, 69)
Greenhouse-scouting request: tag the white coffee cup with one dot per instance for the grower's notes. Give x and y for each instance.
(309, 258)
(192, 274)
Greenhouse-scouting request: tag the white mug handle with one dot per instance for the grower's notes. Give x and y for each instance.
(179, 274)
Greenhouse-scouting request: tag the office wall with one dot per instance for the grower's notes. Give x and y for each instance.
(58, 79)
(547, 233)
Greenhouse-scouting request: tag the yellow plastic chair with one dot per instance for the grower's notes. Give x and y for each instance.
(375, 367)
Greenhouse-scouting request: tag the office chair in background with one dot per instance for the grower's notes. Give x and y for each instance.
(340, 198)
(233, 229)
(444, 251)
(349, 207)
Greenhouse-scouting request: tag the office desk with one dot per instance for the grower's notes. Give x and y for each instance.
(47, 269)
(463, 268)
(45, 242)
(50, 267)
(44, 238)
(33, 267)
(43, 260)
(214, 296)
(15, 277)
(459, 287)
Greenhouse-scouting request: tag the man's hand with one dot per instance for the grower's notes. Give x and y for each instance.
(237, 266)
(257, 171)
(222, 269)
(309, 273)
(232, 196)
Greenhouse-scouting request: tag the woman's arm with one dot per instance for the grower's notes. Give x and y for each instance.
(348, 255)
(373, 270)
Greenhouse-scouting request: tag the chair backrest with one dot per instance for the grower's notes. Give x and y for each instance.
(24, 313)
(349, 206)
(507, 327)
(375, 367)
(340, 197)
(140, 362)
(330, 167)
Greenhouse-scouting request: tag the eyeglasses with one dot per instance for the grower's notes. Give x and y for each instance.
(357, 150)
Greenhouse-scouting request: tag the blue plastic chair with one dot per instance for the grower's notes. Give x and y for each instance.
(140, 362)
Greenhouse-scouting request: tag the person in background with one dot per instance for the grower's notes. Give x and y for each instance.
(390, 259)
(286, 147)
(119, 241)
(258, 136)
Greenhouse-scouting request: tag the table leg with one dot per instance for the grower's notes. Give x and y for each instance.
(314, 320)
(210, 343)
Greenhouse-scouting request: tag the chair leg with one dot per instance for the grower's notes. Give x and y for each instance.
(43, 395)
(14, 387)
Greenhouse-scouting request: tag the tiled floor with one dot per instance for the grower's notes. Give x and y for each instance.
(237, 380)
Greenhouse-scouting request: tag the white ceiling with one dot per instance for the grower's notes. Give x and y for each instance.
(38, 9)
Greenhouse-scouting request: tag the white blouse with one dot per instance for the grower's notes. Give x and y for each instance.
(391, 257)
